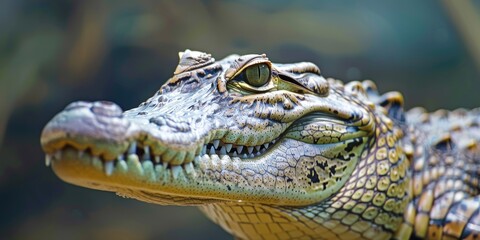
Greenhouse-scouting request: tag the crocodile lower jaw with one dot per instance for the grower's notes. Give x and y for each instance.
(128, 177)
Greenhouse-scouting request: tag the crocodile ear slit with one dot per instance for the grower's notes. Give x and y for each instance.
(287, 77)
(306, 75)
(310, 81)
(393, 104)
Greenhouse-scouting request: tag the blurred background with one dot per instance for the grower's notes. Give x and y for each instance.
(56, 52)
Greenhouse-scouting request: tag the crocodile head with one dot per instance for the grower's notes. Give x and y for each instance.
(239, 129)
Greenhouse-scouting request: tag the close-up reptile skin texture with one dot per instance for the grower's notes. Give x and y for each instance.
(277, 151)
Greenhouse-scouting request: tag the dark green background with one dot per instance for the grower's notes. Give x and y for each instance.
(56, 52)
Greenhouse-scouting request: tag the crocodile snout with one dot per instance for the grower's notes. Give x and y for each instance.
(86, 124)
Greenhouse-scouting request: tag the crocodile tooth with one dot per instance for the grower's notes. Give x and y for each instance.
(58, 154)
(122, 165)
(204, 150)
(257, 148)
(273, 141)
(96, 160)
(148, 169)
(239, 149)
(244, 155)
(223, 151)
(250, 150)
(146, 153)
(133, 148)
(159, 170)
(196, 160)
(228, 147)
(234, 154)
(216, 143)
(108, 167)
(266, 145)
(134, 164)
(212, 150)
(48, 160)
(176, 170)
(147, 165)
(251, 155)
(189, 168)
(120, 157)
(157, 159)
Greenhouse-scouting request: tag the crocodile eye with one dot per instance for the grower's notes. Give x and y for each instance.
(257, 75)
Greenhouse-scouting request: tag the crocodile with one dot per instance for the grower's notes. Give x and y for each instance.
(277, 151)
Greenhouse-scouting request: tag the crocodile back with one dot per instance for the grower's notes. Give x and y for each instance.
(445, 174)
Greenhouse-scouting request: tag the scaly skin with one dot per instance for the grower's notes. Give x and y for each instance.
(276, 151)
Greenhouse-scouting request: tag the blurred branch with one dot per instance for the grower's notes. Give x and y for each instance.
(465, 16)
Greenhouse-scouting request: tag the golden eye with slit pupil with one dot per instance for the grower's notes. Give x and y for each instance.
(257, 75)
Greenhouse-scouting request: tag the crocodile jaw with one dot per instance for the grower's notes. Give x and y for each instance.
(213, 179)
(95, 146)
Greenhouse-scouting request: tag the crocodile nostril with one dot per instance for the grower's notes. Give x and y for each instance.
(106, 108)
(106, 103)
(78, 104)
(159, 121)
